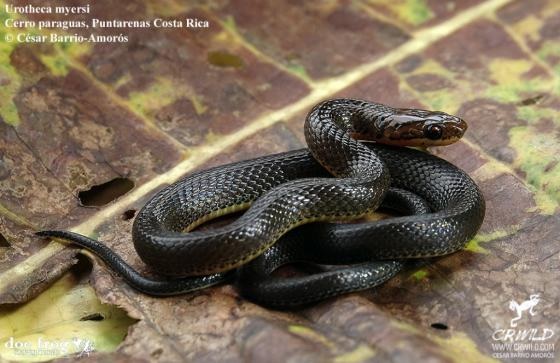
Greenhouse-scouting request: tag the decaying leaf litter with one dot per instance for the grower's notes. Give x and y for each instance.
(76, 116)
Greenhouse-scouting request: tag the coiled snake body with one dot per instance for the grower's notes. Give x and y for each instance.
(287, 190)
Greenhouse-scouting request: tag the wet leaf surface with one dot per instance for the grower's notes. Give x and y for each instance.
(170, 101)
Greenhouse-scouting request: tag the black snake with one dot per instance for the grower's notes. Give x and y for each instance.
(338, 178)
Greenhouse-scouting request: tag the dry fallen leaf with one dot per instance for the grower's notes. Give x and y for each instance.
(171, 101)
(66, 319)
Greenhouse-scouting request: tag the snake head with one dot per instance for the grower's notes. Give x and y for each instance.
(414, 127)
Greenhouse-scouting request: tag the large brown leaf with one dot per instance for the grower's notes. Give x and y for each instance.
(144, 113)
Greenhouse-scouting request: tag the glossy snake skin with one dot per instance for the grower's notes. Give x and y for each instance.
(338, 178)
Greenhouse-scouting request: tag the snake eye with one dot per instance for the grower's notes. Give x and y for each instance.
(433, 132)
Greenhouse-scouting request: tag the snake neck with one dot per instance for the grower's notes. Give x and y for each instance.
(328, 129)
(353, 116)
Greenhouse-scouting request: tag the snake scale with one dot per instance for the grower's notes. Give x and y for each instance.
(337, 179)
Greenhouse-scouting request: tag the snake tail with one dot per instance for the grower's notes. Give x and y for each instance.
(150, 286)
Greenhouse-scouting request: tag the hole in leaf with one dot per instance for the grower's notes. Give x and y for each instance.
(156, 353)
(531, 100)
(439, 326)
(550, 165)
(3, 241)
(94, 317)
(128, 214)
(224, 59)
(102, 194)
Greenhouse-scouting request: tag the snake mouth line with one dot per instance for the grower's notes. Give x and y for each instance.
(422, 142)
(414, 142)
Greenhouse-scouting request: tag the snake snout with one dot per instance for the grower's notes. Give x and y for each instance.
(453, 128)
